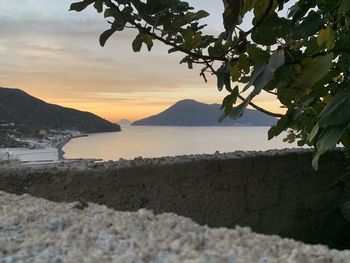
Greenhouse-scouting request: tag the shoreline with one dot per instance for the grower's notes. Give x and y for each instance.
(60, 146)
(83, 164)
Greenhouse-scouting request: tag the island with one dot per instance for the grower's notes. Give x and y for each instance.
(193, 113)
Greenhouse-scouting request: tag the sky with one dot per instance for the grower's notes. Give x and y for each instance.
(55, 55)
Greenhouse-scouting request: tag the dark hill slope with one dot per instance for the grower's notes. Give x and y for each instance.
(193, 113)
(19, 107)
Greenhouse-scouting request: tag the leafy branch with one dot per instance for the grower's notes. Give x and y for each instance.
(301, 58)
(146, 31)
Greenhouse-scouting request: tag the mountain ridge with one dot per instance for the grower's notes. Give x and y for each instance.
(17, 106)
(190, 112)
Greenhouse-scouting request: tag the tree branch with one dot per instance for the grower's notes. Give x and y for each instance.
(145, 31)
(267, 11)
(272, 114)
(179, 48)
(271, 92)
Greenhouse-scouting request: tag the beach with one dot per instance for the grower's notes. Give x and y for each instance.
(60, 146)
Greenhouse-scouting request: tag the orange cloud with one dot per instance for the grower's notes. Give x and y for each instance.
(55, 55)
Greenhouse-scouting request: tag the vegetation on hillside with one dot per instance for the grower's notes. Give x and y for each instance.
(8, 142)
(32, 115)
(300, 55)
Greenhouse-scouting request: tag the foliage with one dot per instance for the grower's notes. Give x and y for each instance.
(7, 142)
(303, 58)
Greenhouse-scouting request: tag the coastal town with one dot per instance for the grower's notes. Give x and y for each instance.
(20, 144)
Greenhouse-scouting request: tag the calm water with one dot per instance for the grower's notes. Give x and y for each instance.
(170, 141)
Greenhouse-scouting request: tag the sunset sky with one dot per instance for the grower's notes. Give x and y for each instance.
(55, 55)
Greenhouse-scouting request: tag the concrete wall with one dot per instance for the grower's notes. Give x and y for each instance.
(276, 192)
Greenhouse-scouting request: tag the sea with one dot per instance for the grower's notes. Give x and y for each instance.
(160, 141)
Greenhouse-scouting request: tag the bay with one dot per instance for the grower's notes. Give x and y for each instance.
(156, 141)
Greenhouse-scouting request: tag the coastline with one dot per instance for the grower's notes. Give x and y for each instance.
(60, 146)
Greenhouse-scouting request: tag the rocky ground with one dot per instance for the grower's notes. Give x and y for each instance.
(36, 230)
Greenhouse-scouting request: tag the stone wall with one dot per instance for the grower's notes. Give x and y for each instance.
(275, 192)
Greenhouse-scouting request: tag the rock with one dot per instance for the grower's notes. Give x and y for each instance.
(36, 230)
(345, 209)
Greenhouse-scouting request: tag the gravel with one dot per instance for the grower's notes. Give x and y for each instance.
(36, 230)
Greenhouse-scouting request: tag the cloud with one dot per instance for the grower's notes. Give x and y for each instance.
(55, 55)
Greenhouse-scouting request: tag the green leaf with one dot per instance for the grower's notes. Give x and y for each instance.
(312, 47)
(221, 75)
(234, 72)
(274, 27)
(328, 140)
(260, 77)
(291, 137)
(137, 43)
(228, 103)
(314, 132)
(201, 14)
(309, 26)
(106, 35)
(293, 10)
(148, 40)
(187, 18)
(337, 112)
(283, 75)
(344, 7)
(224, 77)
(188, 60)
(80, 6)
(308, 78)
(260, 8)
(343, 44)
(98, 6)
(216, 50)
(244, 63)
(196, 40)
(109, 13)
(326, 38)
(276, 130)
(248, 5)
(238, 111)
(257, 55)
(154, 6)
(119, 23)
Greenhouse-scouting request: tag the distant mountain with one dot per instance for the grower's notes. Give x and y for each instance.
(20, 108)
(194, 113)
(124, 122)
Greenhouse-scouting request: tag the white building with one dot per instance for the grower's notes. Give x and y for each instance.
(27, 155)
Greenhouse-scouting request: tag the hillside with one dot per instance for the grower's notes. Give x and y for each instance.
(20, 108)
(193, 113)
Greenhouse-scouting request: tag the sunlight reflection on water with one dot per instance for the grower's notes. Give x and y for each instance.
(155, 141)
